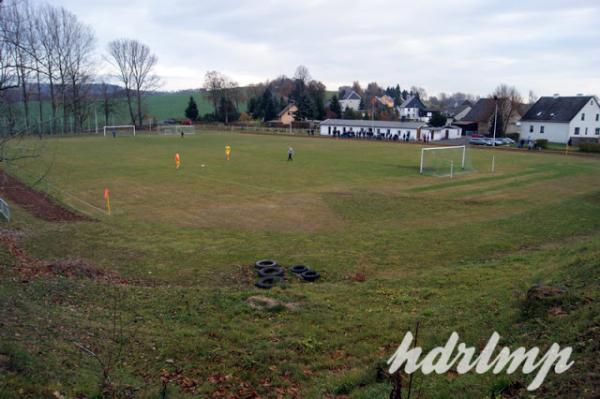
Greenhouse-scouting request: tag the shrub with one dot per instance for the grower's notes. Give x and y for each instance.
(589, 147)
(542, 143)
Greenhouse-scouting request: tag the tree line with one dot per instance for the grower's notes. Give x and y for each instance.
(48, 57)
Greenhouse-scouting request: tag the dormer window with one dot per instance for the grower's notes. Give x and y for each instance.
(582, 117)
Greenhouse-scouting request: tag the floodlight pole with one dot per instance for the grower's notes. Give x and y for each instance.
(494, 138)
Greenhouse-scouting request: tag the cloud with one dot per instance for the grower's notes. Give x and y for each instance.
(460, 45)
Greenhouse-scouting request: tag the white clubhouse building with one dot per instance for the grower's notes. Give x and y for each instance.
(409, 131)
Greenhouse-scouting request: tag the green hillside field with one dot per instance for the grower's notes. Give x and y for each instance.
(161, 290)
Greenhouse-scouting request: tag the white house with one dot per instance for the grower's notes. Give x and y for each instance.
(411, 108)
(441, 133)
(351, 100)
(364, 128)
(560, 119)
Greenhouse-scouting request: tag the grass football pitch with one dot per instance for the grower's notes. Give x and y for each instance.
(394, 249)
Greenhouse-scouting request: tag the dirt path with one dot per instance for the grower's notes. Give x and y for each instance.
(30, 267)
(35, 202)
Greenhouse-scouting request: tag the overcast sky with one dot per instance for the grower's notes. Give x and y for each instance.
(549, 46)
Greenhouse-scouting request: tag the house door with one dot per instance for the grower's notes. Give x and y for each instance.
(447, 134)
(418, 134)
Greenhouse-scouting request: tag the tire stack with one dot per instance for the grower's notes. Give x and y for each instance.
(270, 273)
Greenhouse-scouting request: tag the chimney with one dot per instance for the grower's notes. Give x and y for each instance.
(579, 94)
(556, 95)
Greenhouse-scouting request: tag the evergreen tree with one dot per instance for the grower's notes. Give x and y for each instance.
(268, 106)
(349, 113)
(335, 107)
(319, 107)
(191, 112)
(438, 119)
(306, 108)
(226, 111)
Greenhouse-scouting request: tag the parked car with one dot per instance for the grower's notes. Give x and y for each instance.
(491, 141)
(478, 141)
(508, 141)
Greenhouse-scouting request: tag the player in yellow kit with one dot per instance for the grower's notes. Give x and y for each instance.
(227, 152)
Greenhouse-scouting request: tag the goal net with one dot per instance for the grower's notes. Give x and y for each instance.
(444, 161)
(120, 130)
(168, 130)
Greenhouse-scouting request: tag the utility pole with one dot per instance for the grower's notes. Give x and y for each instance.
(494, 137)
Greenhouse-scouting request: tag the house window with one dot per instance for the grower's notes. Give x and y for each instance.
(576, 131)
(598, 131)
(586, 131)
(530, 128)
(597, 117)
(582, 117)
(542, 129)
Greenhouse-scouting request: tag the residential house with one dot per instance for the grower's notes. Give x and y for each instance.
(287, 115)
(480, 118)
(413, 109)
(386, 101)
(350, 99)
(458, 111)
(560, 119)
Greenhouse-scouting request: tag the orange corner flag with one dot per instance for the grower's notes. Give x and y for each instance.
(107, 199)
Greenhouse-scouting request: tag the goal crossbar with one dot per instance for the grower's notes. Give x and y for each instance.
(119, 127)
(424, 150)
(187, 129)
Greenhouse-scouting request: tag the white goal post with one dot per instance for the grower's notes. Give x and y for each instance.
(462, 158)
(118, 127)
(176, 129)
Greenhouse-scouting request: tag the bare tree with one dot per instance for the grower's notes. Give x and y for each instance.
(221, 90)
(532, 97)
(302, 74)
(508, 99)
(135, 65)
(357, 88)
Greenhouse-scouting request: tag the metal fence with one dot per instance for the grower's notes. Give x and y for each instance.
(4, 209)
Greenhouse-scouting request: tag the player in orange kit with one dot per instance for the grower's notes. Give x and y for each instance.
(177, 161)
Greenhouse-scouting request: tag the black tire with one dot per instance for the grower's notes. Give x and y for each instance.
(261, 264)
(299, 269)
(271, 272)
(310, 275)
(266, 283)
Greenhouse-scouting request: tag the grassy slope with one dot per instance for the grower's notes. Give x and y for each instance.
(457, 256)
(160, 106)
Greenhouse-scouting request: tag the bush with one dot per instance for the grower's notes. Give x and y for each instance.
(589, 147)
(542, 143)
